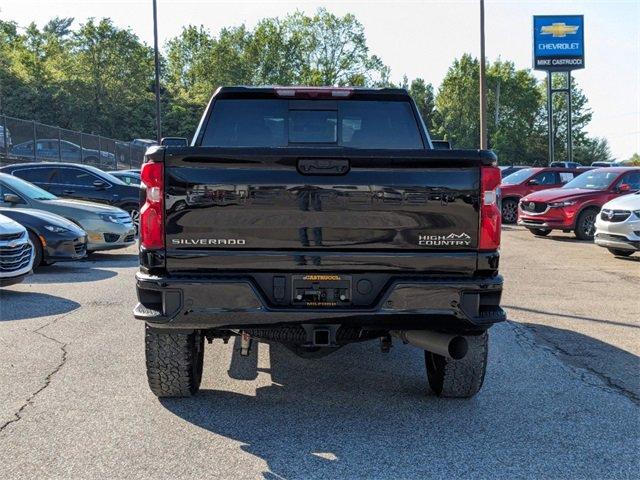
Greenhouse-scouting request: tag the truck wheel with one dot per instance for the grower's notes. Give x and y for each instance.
(174, 362)
(509, 211)
(620, 253)
(540, 232)
(586, 224)
(459, 378)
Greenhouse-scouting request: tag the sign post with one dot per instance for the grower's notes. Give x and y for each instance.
(558, 46)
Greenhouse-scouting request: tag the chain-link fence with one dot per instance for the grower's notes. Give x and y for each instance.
(24, 141)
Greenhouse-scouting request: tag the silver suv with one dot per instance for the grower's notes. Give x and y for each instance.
(618, 225)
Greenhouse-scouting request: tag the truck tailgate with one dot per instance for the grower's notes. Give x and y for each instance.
(341, 210)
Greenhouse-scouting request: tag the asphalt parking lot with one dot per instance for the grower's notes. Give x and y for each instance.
(561, 398)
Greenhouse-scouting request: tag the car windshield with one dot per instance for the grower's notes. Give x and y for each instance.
(593, 180)
(27, 189)
(517, 177)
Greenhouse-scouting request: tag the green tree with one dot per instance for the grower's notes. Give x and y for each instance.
(322, 49)
(634, 160)
(424, 97)
(337, 51)
(112, 81)
(513, 100)
(589, 150)
(457, 104)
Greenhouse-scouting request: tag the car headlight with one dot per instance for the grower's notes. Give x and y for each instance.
(109, 217)
(566, 203)
(56, 229)
(636, 213)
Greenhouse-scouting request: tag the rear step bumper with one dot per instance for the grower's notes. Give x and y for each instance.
(222, 301)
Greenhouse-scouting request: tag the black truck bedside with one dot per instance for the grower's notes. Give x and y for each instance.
(318, 217)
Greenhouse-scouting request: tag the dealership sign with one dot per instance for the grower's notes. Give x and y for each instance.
(558, 42)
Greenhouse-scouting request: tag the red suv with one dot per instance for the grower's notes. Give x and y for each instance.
(529, 180)
(576, 205)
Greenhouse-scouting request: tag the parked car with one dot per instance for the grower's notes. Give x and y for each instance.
(618, 225)
(130, 177)
(47, 149)
(507, 170)
(143, 142)
(16, 252)
(82, 182)
(602, 164)
(5, 139)
(566, 164)
(529, 180)
(54, 238)
(107, 227)
(576, 205)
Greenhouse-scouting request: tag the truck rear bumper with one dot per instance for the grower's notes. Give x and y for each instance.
(220, 301)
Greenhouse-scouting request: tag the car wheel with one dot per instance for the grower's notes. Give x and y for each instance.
(620, 253)
(459, 378)
(38, 251)
(174, 362)
(134, 212)
(586, 224)
(509, 211)
(540, 232)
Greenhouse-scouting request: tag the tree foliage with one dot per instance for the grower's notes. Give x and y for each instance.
(97, 77)
(322, 49)
(517, 114)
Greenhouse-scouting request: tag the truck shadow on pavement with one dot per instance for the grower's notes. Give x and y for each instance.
(69, 273)
(16, 305)
(362, 414)
(575, 317)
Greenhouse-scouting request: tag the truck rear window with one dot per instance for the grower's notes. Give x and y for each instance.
(283, 123)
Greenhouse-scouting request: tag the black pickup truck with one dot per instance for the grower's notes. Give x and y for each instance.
(318, 217)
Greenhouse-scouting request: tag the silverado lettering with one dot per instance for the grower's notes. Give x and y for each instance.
(208, 241)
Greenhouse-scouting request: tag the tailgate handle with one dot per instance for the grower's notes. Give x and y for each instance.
(323, 166)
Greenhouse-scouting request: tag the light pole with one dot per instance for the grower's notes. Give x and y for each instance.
(157, 65)
(483, 85)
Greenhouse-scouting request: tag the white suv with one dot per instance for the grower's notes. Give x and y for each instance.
(618, 225)
(16, 252)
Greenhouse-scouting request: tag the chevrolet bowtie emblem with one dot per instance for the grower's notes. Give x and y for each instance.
(559, 29)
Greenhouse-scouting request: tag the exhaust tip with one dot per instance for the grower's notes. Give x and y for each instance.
(458, 347)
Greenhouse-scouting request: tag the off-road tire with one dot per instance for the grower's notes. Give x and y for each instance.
(174, 362)
(38, 251)
(585, 225)
(540, 232)
(509, 211)
(618, 252)
(459, 378)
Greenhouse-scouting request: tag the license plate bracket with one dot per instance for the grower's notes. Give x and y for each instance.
(321, 290)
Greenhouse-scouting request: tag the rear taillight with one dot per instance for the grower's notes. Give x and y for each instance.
(490, 217)
(152, 212)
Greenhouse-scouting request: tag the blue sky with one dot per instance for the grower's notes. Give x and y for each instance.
(421, 38)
